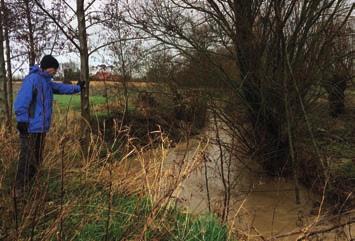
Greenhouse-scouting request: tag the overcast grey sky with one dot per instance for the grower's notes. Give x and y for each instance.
(97, 35)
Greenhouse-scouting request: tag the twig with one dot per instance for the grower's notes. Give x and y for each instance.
(207, 186)
(61, 192)
(109, 206)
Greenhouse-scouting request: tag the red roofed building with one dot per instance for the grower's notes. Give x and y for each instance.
(104, 75)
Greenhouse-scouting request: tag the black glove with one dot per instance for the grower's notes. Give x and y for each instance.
(22, 127)
(81, 83)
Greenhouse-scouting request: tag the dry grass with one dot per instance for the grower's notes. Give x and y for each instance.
(71, 193)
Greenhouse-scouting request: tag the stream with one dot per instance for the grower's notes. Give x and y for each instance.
(259, 205)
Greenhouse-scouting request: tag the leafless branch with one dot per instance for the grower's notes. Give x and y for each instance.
(58, 24)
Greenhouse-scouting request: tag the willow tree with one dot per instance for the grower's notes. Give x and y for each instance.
(276, 46)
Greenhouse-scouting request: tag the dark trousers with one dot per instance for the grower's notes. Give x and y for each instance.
(31, 156)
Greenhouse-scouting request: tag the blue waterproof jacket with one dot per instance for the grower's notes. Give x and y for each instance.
(34, 100)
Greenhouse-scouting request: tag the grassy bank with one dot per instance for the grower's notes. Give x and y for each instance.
(73, 198)
(93, 212)
(101, 197)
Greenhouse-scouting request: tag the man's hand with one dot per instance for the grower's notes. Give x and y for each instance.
(81, 83)
(22, 127)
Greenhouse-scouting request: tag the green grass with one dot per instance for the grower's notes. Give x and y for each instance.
(203, 228)
(87, 218)
(128, 219)
(73, 101)
(125, 212)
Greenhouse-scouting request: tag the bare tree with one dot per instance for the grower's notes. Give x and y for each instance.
(127, 51)
(6, 22)
(276, 46)
(84, 59)
(4, 107)
(31, 42)
(79, 39)
(31, 30)
(124, 65)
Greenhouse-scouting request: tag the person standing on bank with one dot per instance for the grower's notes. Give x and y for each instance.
(33, 110)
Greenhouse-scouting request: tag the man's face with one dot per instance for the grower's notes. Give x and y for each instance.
(51, 71)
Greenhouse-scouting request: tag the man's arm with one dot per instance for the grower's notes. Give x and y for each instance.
(64, 89)
(23, 100)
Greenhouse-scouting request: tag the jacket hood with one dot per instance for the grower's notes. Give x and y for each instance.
(35, 69)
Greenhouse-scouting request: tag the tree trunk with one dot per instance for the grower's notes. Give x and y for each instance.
(31, 43)
(269, 143)
(84, 72)
(4, 107)
(8, 59)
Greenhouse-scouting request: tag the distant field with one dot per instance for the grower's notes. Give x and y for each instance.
(73, 101)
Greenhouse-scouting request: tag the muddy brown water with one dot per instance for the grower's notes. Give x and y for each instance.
(259, 205)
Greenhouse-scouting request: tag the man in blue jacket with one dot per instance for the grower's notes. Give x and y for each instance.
(33, 109)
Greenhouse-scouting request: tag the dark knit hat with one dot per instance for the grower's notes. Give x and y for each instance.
(48, 61)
